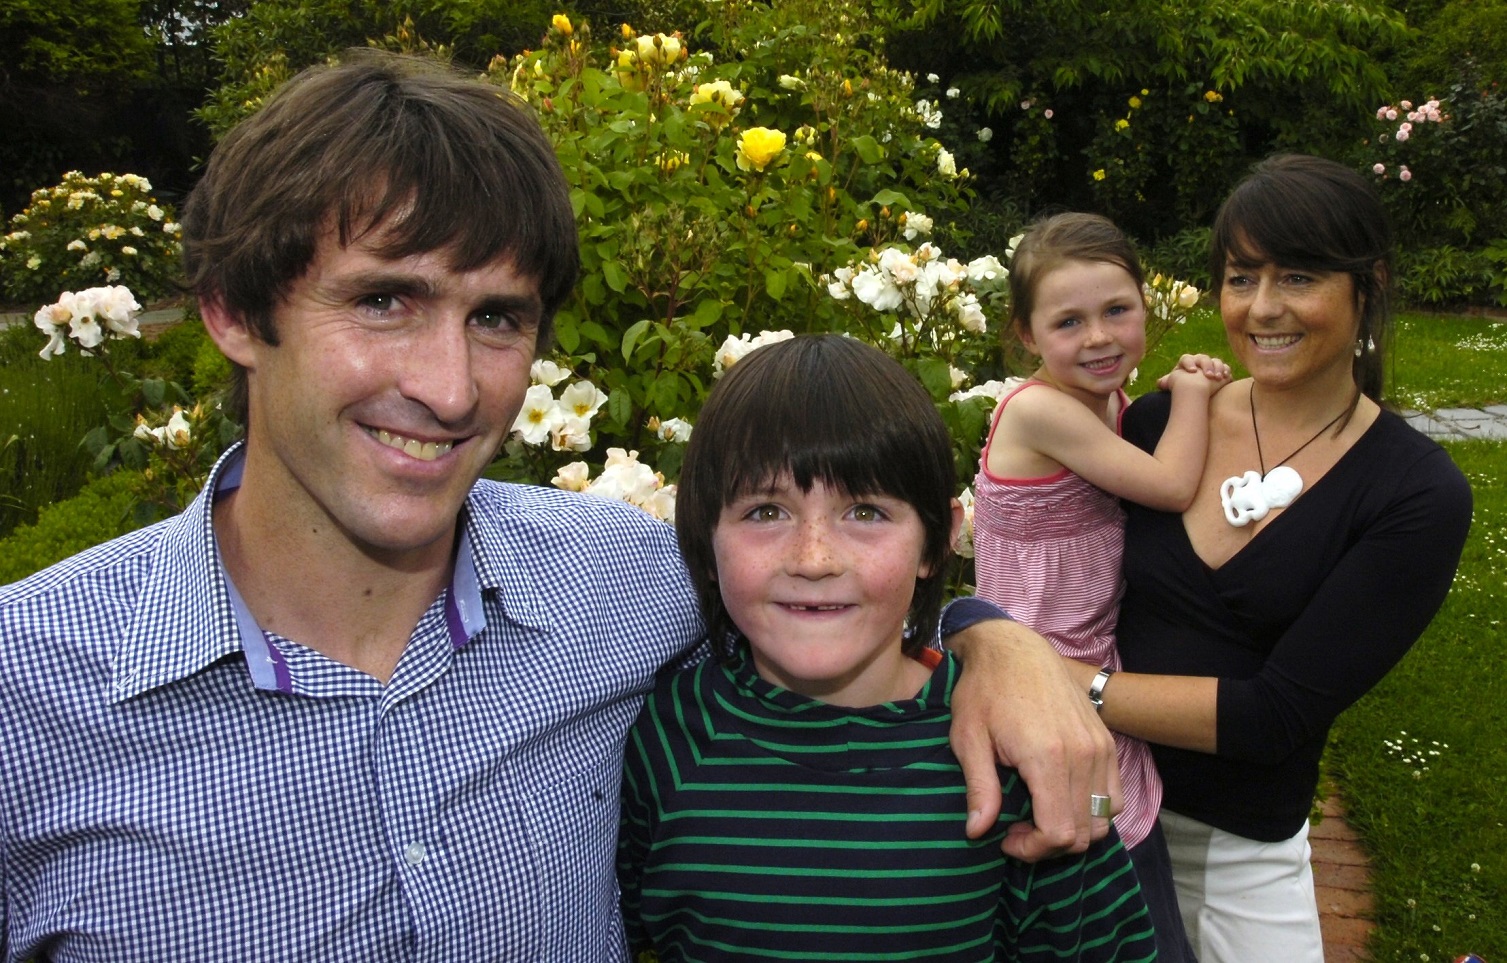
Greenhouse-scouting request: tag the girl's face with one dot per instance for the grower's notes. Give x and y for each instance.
(1088, 327)
(820, 583)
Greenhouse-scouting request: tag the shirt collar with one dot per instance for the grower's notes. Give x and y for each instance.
(189, 614)
(503, 554)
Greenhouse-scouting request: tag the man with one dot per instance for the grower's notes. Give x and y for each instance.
(353, 703)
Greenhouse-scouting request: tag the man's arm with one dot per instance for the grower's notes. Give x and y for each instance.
(1016, 705)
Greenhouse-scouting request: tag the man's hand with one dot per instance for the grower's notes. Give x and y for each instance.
(1016, 704)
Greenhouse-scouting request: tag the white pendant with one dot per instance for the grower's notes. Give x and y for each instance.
(1248, 498)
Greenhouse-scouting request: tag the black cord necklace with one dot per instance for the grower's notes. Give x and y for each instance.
(1249, 497)
(1257, 432)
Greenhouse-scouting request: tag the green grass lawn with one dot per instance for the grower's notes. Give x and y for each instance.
(1422, 760)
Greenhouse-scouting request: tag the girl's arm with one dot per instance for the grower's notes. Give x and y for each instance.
(1055, 425)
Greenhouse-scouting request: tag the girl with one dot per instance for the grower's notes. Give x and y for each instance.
(1048, 528)
(799, 800)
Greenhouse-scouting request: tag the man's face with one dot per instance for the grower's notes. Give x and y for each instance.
(392, 388)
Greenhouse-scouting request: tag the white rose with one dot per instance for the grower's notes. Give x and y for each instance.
(676, 430)
(545, 372)
(875, 289)
(573, 477)
(917, 225)
(582, 400)
(538, 416)
(946, 166)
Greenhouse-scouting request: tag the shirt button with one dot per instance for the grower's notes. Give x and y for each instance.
(414, 853)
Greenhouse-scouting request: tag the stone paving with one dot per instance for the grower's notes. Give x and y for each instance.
(1460, 424)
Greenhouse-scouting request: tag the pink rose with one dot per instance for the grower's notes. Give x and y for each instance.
(1378, 168)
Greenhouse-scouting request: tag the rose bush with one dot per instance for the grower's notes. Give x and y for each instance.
(89, 231)
(714, 183)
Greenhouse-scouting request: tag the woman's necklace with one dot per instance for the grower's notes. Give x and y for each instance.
(1248, 498)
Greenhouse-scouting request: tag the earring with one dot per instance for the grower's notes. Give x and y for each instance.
(1359, 347)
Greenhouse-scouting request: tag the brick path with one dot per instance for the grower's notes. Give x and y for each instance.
(1342, 883)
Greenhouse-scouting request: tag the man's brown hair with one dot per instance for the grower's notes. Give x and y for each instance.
(398, 150)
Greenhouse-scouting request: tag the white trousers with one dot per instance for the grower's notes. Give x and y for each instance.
(1243, 901)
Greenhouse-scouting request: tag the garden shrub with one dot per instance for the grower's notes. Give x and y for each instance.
(90, 231)
(1148, 112)
(1439, 165)
(713, 193)
(1184, 255)
(103, 509)
(1446, 276)
(45, 408)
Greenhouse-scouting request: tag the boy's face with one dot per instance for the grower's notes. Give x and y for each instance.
(820, 583)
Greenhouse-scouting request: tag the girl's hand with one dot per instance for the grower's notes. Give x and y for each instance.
(1216, 373)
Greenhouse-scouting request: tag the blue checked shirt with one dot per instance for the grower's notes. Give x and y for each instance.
(177, 785)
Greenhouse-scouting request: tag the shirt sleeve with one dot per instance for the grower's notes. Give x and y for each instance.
(1369, 610)
(1084, 907)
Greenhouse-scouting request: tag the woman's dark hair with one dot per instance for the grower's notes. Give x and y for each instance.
(1306, 212)
(1055, 240)
(823, 408)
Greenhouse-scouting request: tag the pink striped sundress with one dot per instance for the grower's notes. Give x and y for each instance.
(1048, 550)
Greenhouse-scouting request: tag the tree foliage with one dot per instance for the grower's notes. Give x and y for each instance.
(277, 38)
(65, 66)
(1147, 109)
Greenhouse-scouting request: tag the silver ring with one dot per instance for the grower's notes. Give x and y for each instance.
(1099, 806)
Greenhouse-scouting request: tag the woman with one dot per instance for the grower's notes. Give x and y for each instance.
(1322, 540)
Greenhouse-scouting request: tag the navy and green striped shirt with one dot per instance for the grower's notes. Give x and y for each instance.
(762, 825)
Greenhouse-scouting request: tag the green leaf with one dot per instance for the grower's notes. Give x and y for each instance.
(566, 334)
(612, 272)
(936, 375)
(774, 283)
(868, 149)
(154, 392)
(707, 313)
(631, 336)
(666, 393)
(620, 405)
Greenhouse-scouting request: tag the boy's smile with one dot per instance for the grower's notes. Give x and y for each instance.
(820, 583)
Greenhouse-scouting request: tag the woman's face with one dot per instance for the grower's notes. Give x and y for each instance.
(1290, 327)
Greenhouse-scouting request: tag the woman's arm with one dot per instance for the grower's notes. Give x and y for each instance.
(1172, 710)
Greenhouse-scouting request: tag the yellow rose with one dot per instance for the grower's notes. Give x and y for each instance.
(1213, 96)
(1099, 174)
(1135, 102)
(1121, 124)
(721, 94)
(561, 23)
(758, 146)
(658, 49)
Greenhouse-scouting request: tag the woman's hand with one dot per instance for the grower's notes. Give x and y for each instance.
(1017, 706)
